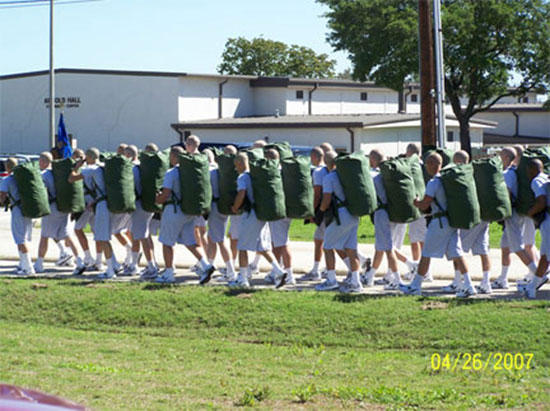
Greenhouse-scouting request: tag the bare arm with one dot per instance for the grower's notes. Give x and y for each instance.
(317, 192)
(3, 197)
(163, 196)
(239, 199)
(540, 205)
(424, 203)
(325, 204)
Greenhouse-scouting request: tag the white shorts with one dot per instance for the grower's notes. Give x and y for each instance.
(21, 227)
(441, 242)
(154, 226)
(512, 235)
(398, 235)
(279, 232)
(476, 239)
(234, 227)
(200, 221)
(55, 225)
(343, 236)
(254, 234)
(87, 217)
(417, 230)
(140, 222)
(320, 232)
(382, 231)
(529, 231)
(102, 223)
(121, 223)
(217, 224)
(176, 227)
(545, 234)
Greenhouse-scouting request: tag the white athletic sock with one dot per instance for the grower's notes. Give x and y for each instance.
(26, 262)
(486, 275)
(203, 263)
(243, 273)
(61, 247)
(99, 258)
(39, 260)
(504, 272)
(316, 266)
(417, 280)
(87, 254)
(347, 263)
(537, 280)
(458, 278)
(331, 275)
(135, 257)
(256, 260)
(276, 266)
(532, 268)
(397, 277)
(371, 272)
(79, 261)
(230, 267)
(388, 276)
(211, 261)
(466, 279)
(355, 277)
(289, 274)
(151, 264)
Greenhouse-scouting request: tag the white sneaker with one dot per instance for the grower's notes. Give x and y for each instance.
(409, 276)
(351, 287)
(240, 282)
(394, 285)
(428, 278)
(410, 289)
(368, 279)
(226, 278)
(38, 268)
(500, 284)
(196, 269)
(484, 288)
(530, 291)
(253, 270)
(280, 279)
(324, 273)
(79, 270)
(451, 288)
(466, 291)
(270, 277)
(385, 280)
(327, 285)
(107, 275)
(166, 277)
(26, 271)
(88, 262)
(206, 275)
(348, 278)
(523, 286)
(130, 270)
(149, 273)
(63, 259)
(311, 276)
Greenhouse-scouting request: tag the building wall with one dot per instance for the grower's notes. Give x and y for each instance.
(110, 109)
(339, 138)
(268, 100)
(394, 141)
(531, 123)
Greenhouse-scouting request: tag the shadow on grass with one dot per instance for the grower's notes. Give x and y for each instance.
(236, 292)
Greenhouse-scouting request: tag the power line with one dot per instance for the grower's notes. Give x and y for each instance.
(18, 4)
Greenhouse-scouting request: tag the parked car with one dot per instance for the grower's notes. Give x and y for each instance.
(297, 150)
(22, 158)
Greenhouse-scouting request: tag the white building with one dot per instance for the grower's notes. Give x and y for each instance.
(104, 107)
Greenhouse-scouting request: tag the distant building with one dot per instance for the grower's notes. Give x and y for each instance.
(105, 107)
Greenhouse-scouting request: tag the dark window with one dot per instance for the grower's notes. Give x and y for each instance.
(299, 94)
(526, 99)
(364, 96)
(450, 136)
(414, 98)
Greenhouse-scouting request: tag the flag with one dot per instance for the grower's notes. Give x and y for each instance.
(65, 150)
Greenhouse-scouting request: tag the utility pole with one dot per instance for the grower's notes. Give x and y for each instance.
(52, 82)
(440, 75)
(427, 75)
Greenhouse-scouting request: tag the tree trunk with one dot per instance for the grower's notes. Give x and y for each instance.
(465, 143)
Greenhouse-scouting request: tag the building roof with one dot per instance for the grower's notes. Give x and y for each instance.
(516, 107)
(500, 139)
(311, 121)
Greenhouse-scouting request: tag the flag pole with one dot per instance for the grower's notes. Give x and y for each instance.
(440, 74)
(52, 82)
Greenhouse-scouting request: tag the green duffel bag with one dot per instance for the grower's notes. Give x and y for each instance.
(298, 187)
(254, 153)
(196, 190)
(460, 190)
(353, 172)
(106, 155)
(283, 149)
(400, 190)
(418, 176)
(228, 182)
(68, 197)
(526, 197)
(119, 184)
(33, 194)
(152, 169)
(492, 192)
(267, 186)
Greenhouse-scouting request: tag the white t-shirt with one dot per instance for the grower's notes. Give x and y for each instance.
(435, 190)
(244, 182)
(172, 181)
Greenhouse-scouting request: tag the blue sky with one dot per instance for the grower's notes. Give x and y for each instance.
(167, 35)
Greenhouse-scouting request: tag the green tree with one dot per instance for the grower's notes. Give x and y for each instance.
(264, 57)
(487, 45)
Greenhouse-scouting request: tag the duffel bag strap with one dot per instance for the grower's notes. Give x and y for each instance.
(439, 215)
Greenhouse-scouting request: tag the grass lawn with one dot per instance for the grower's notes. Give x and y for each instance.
(301, 232)
(144, 346)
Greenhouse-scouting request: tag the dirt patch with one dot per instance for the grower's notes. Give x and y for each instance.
(35, 286)
(435, 305)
